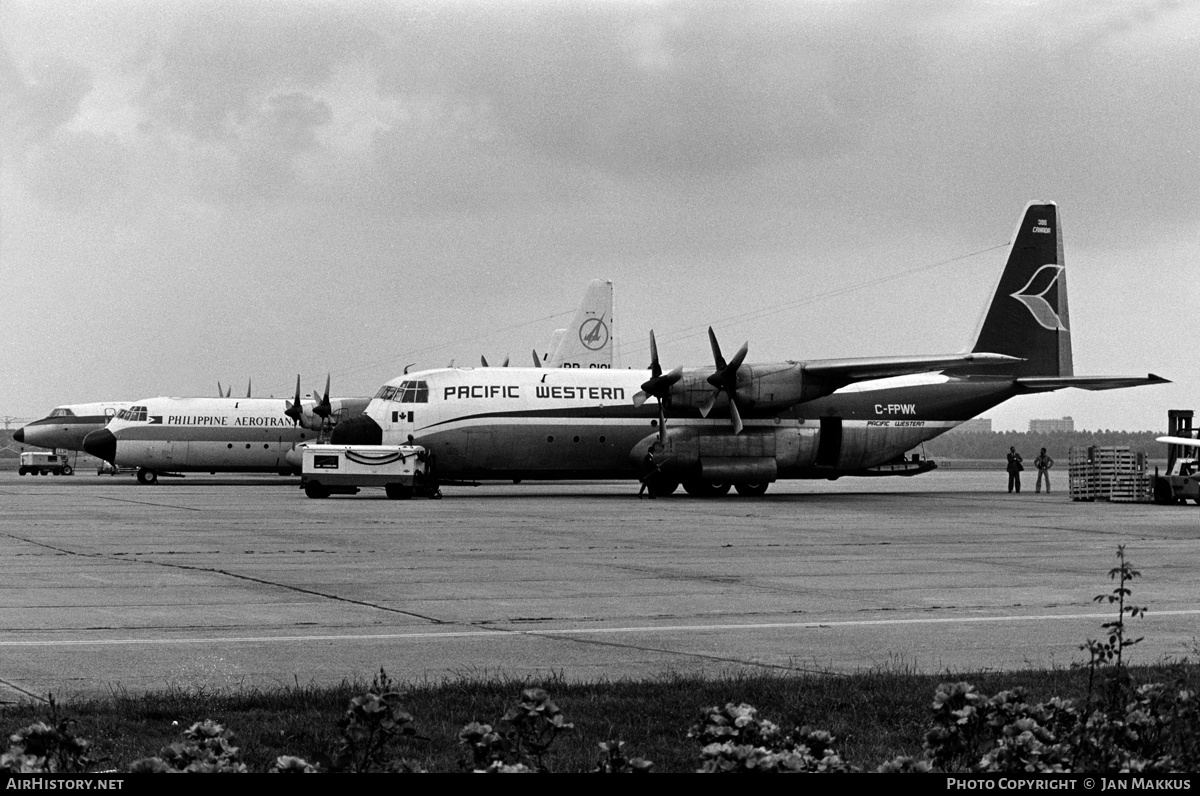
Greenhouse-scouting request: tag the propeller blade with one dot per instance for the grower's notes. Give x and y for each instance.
(655, 368)
(505, 363)
(640, 397)
(292, 409)
(736, 416)
(537, 363)
(249, 386)
(483, 360)
(323, 410)
(716, 349)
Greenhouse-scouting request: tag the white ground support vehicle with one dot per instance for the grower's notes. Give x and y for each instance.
(34, 462)
(1181, 482)
(343, 469)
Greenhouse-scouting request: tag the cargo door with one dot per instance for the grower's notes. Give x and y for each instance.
(829, 447)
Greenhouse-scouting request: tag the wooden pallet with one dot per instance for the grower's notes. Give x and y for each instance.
(1116, 474)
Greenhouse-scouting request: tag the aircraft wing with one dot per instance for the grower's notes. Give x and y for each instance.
(1048, 383)
(848, 371)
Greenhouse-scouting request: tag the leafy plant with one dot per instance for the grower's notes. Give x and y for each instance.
(736, 740)
(1112, 651)
(46, 748)
(527, 731)
(206, 749)
(372, 722)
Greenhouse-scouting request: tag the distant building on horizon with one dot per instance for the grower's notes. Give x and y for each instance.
(980, 425)
(1052, 426)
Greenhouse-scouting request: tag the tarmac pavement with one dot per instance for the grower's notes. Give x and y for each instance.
(226, 582)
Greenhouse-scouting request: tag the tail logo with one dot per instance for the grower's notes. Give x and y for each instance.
(1033, 296)
(593, 334)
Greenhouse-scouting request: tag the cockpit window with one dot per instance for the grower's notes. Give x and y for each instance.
(386, 393)
(62, 411)
(134, 414)
(412, 392)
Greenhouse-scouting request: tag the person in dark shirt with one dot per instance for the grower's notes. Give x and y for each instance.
(1014, 469)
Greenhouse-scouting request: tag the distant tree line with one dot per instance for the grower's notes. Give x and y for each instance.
(994, 445)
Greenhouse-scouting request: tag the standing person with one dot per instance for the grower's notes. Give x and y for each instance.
(1014, 469)
(1043, 463)
(650, 466)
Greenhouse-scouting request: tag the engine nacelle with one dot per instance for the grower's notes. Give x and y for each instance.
(759, 387)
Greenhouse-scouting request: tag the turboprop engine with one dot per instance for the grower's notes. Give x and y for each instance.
(739, 387)
(323, 415)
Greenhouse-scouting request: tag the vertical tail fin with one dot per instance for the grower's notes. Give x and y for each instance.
(1028, 314)
(587, 342)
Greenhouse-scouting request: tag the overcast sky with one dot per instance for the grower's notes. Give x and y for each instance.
(203, 191)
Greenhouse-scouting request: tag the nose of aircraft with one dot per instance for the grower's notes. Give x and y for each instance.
(101, 444)
(360, 430)
(19, 435)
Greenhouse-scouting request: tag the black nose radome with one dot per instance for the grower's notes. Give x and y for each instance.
(360, 430)
(19, 435)
(101, 444)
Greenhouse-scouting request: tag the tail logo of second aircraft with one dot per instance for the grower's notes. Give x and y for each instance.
(1033, 296)
(593, 334)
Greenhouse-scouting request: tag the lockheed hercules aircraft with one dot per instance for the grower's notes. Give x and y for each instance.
(738, 424)
(225, 434)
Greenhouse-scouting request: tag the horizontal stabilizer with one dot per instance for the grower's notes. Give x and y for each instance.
(1048, 383)
(847, 371)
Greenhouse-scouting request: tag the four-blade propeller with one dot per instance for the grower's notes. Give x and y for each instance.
(322, 408)
(292, 408)
(724, 379)
(658, 386)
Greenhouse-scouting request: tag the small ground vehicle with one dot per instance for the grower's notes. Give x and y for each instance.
(342, 469)
(35, 462)
(1181, 482)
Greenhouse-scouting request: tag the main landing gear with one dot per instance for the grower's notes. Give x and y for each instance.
(147, 476)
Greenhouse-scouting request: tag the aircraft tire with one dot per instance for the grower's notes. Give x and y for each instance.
(398, 491)
(147, 476)
(315, 491)
(661, 487)
(1163, 494)
(700, 488)
(753, 489)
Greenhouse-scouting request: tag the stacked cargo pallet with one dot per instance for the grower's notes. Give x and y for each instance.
(1116, 474)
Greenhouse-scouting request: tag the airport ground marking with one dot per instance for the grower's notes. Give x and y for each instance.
(550, 633)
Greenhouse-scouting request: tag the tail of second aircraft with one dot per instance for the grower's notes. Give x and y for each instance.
(1028, 314)
(587, 343)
